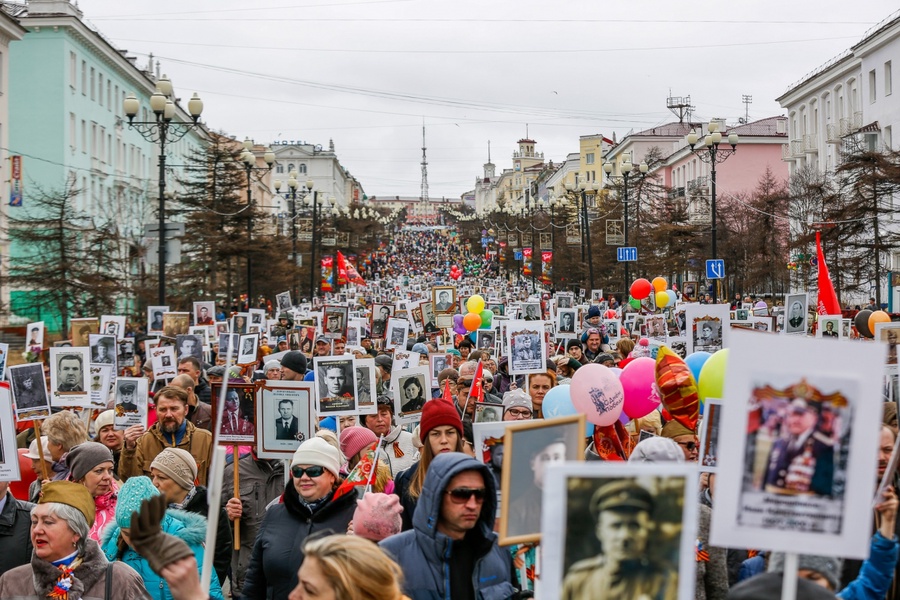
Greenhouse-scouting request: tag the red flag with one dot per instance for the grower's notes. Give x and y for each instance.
(448, 395)
(360, 474)
(828, 301)
(348, 272)
(477, 389)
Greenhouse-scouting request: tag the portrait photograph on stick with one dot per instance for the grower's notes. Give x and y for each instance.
(335, 322)
(397, 332)
(131, 402)
(366, 386)
(335, 385)
(239, 414)
(709, 435)
(708, 327)
(285, 415)
(176, 323)
(204, 313)
(81, 329)
(113, 325)
(29, 391)
(380, 315)
(155, 319)
(9, 456)
(795, 313)
(69, 369)
(410, 389)
(527, 347)
(249, 349)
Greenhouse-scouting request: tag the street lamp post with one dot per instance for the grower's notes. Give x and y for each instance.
(162, 130)
(626, 168)
(249, 160)
(293, 184)
(711, 154)
(582, 188)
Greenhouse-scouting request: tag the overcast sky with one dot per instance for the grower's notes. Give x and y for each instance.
(367, 73)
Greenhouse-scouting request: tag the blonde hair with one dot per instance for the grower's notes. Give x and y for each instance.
(64, 429)
(624, 347)
(356, 567)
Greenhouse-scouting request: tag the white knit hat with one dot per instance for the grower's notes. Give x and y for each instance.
(107, 417)
(316, 451)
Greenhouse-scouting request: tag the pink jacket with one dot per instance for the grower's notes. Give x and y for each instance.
(106, 512)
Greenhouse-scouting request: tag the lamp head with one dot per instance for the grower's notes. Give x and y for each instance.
(130, 106)
(269, 157)
(195, 107)
(692, 138)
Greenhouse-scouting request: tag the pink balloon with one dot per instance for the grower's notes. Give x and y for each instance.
(638, 378)
(597, 393)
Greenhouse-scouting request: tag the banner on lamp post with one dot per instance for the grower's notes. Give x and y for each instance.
(327, 274)
(547, 268)
(15, 181)
(526, 261)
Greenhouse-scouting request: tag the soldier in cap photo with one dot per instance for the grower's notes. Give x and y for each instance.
(622, 512)
(126, 396)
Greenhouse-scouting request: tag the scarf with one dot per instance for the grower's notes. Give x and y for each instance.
(64, 582)
(177, 437)
(186, 501)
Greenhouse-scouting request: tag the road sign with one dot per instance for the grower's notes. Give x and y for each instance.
(626, 254)
(715, 269)
(517, 255)
(172, 230)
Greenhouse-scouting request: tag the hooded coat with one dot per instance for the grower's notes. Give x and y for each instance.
(187, 527)
(425, 554)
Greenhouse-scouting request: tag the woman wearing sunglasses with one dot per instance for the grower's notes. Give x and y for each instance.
(307, 506)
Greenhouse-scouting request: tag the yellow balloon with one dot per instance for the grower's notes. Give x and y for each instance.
(878, 316)
(475, 304)
(712, 375)
(660, 285)
(662, 299)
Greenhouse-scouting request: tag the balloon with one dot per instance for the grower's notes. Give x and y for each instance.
(861, 320)
(641, 288)
(597, 393)
(624, 419)
(878, 316)
(696, 361)
(677, 388)
(471, 321)
(712, 375)
(609, 314)
(660, 284)
(558, 403)
(672, 297)
(456, 275)
(487, 317)
(475, 304)
(635, 303)
(616, 370)
(458, 320)
(637, 379)
(662, 299)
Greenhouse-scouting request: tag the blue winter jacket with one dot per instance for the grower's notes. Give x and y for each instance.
(876, 574)
(189, 527)
(424, 554)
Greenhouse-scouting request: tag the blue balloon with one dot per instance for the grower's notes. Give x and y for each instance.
(695, 362)
(558, 403)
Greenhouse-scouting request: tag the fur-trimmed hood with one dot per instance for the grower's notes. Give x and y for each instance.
(189, 527)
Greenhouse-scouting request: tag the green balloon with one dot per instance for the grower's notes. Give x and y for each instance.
(487, 316)
(635, 303)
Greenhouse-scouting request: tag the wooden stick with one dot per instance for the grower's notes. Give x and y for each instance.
(40, 446)
(237, 494)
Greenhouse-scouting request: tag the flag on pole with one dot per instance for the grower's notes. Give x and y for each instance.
(827, 303)
(361, 475)
(347, 271)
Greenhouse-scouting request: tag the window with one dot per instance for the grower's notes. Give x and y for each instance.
(888, 138)
(301, 168)
(100, 88)
(290, 167)
(589, 158)
(872, 86)
(84, 78)
(72, 131)
(93, 140)
(93, 96)
(83, 136)
(279, 168)
(73, 70)
(887, 78)
(109, 96)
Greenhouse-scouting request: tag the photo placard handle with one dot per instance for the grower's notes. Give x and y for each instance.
(789, 580)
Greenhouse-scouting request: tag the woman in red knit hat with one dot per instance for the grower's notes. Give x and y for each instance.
(440, 431)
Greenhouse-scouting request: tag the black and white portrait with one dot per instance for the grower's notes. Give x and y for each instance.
(176, 323)
(438, 362)
(240, 323)
(380, 315)
(366, 385)
(795, 314)
(528, 353)
(228, 346)
(531, 311)
(428, 318)
(69, 376)
(335, 322)
(335, 385)
(189, 345)
(565, 300)
(155, 318)
(284, 417)
(29, 390)
(486, 339)
(829, 328)
(35, 333)
(131, 402)
(103, 349)
(249, 345)
(443, 299)
(397, 332)
(283, 302)
(707, 335)
(565, 322)
(488, 413)
(412, 389)
(113, 325)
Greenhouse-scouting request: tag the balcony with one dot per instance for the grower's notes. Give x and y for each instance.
(846, 126)
(857, 121)
(833, 133)
(811, 143)
(797, 148)
(786, 152)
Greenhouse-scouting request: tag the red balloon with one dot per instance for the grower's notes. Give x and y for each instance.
(641, 289)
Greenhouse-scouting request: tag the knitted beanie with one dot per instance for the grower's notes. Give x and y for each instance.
(295, 361)
(829, 567)
(657, 449)
(377, 516)
(107, 417)
(272, 364)
(84, 457)
(177, 464)
(316, 451)
(354, 439)
(517, 397)
(436, 413)
(131, 494)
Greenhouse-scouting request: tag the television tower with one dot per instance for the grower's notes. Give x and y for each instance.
(424, 192)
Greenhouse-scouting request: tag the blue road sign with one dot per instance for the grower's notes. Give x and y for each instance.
(517, 255)
(715, 269)
(626, 254)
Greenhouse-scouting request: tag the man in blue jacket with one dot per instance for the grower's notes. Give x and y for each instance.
(452, 550)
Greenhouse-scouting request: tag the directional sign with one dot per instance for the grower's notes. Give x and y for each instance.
(715, 269)
(626, 254)
(517, 255)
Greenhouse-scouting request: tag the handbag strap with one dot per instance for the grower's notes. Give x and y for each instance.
(109, 578)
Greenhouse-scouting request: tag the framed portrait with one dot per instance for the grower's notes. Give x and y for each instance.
(830, 328)
(257, 320)
(527, 348)
(366, 386)
(656, 327)
(240, 323)
(99, 379)
(113, 325)
(485, 412)
(69, 382)
(583, 515)
(429, 320)
(202, 332)
(162, 358)
(176, 323)
(596, 296)
(397, 332)
(708, 327)
(410, 389)
(285, 417)
(303, 339)
(437, 362)
(763, 324)
(530, 311)
(486, 340)
(104, 350)
(443, 298)
(798, 468)
(795, 314)
(229, 344)
(204, 313)
(531, 450)
(488, 441)
(238, 418)
(283, 302)
(35, 333)
(249, 348)
(678, 345)
(9, 455)
(131, 402)
(4, 356)
(497, 308)
(29, 391)
(709, 435)
(81, 329)
(566, 323)
(189, 345)
(565, 300)
(380, 315)
(222, 327)
(415, 318)
(335, 318)
(889, 333)
(689, 291)
(353, 335)
(335, 385)
(155, 319)
(846, 328)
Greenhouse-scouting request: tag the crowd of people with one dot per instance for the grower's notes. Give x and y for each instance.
(122, 513)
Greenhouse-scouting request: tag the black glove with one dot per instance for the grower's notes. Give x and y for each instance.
(148, 540)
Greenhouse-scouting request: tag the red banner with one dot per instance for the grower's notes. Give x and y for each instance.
(547, 269)
(347, 273)
(327, 273)
(526, 261)
(828, 301)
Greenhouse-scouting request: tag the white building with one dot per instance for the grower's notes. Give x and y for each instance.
(321, 165)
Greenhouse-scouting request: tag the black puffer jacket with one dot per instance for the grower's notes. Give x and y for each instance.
(277, 551)
(15, 533)
(224, 540)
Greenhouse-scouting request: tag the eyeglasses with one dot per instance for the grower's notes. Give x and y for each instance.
(691, 446)
(519, 412)
(313, 472)
(462, 495)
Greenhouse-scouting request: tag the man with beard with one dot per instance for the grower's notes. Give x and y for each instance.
(171, 430)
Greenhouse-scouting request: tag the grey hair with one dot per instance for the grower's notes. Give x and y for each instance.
(74, 518)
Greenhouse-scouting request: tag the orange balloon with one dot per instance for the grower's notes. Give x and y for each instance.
(472, 321)
(878, 316)
(660, 284)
